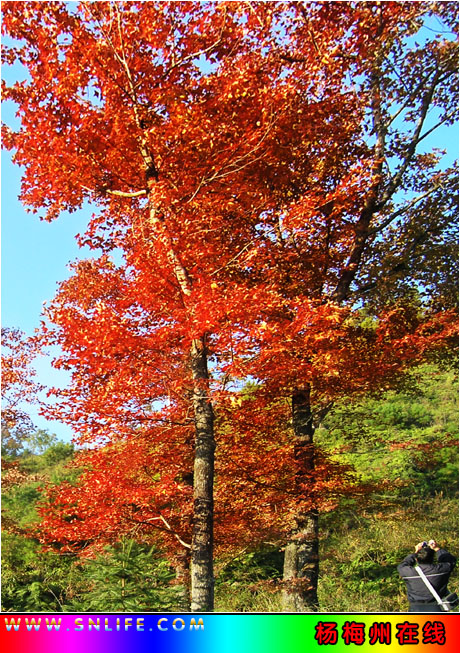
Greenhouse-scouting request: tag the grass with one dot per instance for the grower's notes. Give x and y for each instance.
(359, 554)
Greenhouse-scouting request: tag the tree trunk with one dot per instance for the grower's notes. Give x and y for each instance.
(301, 560)
(201, 563)
(201, 567)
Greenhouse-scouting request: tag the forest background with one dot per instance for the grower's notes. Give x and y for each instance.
(384, 463)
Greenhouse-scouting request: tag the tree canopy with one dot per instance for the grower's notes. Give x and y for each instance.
(258, 168)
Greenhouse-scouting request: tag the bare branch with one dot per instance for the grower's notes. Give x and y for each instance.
(168, 527)
(147, 157)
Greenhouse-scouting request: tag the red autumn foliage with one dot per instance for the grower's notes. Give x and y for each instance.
(246, 186)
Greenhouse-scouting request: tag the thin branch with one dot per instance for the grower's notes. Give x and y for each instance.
(447, 117)
(403, 263)
(147, 158)
(117, 193)
(120, 193)
(51, 592)
(251, 478)
(292, 59)
(231, 166)
(251, 9)
(304, 13)
(319, 416)
(370, 205)
(168, 527)
(197, 54)
(409, 100)
(249, 244)
(402, 210)
(397, 177)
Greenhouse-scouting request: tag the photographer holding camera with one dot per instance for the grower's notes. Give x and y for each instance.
(427, 576)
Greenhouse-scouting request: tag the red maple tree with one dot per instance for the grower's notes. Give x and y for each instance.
(253, 193)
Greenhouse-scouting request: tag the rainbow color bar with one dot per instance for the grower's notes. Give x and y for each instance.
(228, 633)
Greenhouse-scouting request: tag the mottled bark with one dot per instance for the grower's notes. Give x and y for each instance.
(301, 567)
(201, 568)
(201, 561)
(301, 560)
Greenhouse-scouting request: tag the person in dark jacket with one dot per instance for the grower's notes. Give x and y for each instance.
(437, 572)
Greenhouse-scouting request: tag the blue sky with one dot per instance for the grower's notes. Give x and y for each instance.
(34, 258)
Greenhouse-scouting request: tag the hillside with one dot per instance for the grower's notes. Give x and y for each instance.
(403, 444)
